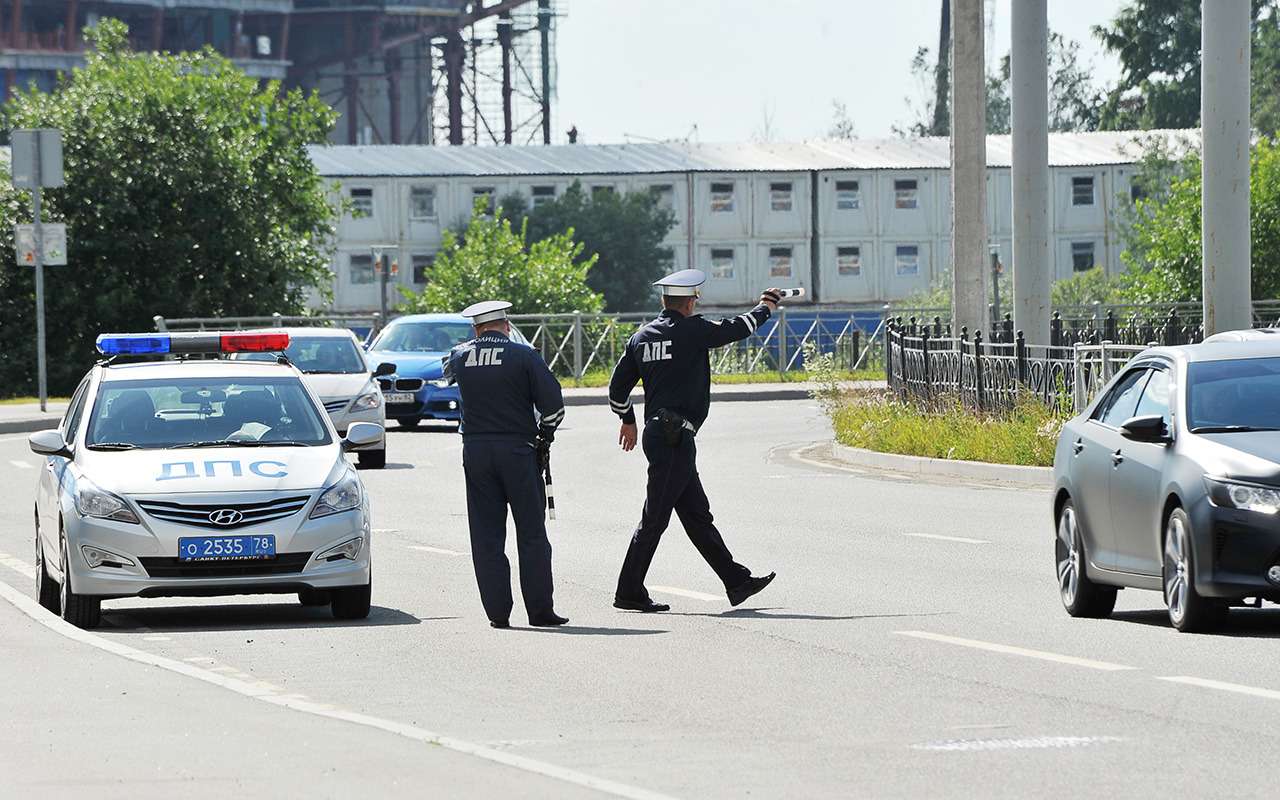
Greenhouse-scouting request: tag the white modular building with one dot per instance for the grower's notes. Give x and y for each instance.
(857, 222)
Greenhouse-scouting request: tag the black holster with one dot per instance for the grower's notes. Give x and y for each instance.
(672, 425)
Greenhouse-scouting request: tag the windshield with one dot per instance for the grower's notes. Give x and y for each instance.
(1238, 394)
(423, 337)
(212, 412)
(318, 355)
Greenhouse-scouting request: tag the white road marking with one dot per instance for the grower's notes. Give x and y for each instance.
(1015, 651)
(710, 598)
(1269, 694)
(18, 565)
(20, 464)
(438, 550)
(15, 438)
(1031, 743)
(266, 694)
(961, 539)
(155, 638)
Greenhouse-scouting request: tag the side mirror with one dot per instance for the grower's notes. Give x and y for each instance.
(49, 443)
(361, 434)
(385, 368)
(1149, 428)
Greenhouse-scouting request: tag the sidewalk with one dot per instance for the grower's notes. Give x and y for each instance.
(27, 417)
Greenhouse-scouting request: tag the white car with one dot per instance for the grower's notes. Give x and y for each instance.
(333, 365)
(198, 478)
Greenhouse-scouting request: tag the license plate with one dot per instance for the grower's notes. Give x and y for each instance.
(399, 397)
(226, 548)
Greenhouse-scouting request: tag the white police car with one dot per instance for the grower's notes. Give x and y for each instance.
(199, 478)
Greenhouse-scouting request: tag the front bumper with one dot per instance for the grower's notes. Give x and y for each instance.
(1233, 550)
(430, 402)
(152, 545)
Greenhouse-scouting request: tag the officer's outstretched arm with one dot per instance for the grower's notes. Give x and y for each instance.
(447, 373)
(625, 377)
(547, 397)
(735, 329)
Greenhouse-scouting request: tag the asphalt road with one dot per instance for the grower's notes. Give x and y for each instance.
(913, 645)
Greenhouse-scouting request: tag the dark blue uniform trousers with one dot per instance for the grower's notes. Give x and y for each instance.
(674, 485)
(503, 473)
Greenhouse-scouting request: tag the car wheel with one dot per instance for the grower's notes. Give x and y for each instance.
(47, 592)
(352, 602)
(409, 422)
(1081, 597)
(1188, 610)
(313, 597)
(371, 459)
(79, 610)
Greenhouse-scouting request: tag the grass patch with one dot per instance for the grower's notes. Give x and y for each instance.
(1027, 436)
(13, 401)
(599, 378)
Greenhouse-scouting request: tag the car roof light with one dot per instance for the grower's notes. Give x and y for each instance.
(135, 344)
(254, 342)
(117, 344)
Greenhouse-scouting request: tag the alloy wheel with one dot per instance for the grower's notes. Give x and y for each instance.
(1176, 569)
(1068, 553)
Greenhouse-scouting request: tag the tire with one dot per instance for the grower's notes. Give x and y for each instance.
(313, 597)
(1080, 595)
(409, 422)
(47, 591)
(351, 602)
(79, 610)
(1189, 612)
(371, 459)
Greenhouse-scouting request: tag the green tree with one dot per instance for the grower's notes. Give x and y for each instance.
(623, 232)
(494, 262)
(189, 192)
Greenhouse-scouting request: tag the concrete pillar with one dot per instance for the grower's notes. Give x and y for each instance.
(544, 39)
(504, 40)
(1033, 268)
(453, 58)
(968, 168)
(1224, 114)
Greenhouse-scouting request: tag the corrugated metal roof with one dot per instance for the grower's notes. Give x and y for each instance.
(1065, 150)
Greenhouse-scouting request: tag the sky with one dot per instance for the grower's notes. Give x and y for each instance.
(715, 70)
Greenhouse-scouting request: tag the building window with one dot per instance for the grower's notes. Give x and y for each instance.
(849, 261)
(722, 263)
(1082, 191)
(780, 196)
(779, 262)
(422, 202)
(422, 267)
(1082, 259)
(543, 194)
(361, 203)
(906, 194)
(602, 190)
(1136, 193)
(361, 270)
(848, 196)
(664, 196)
(485, 193)
(907, 260)
(722, 198)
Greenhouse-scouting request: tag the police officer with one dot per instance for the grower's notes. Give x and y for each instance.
(670, 354)
(503, 447)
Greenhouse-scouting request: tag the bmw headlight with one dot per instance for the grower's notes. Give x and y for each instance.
(94, 502)
(367, 401)
(1246, 496)
(439, 383)
(342, 496)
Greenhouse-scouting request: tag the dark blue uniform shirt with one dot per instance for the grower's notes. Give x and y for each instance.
(671, 355)
(501, 383)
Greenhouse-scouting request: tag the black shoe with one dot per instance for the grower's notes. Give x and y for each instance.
(499, 623)
(645, 605)
(739, 593)
(548, 619)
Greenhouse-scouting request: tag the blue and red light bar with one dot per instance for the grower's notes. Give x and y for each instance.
(139, 344)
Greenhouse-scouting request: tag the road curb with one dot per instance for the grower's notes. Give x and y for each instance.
(716, 397)
(1030, 477)
(28, 425)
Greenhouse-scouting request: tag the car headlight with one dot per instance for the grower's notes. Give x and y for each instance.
(1246, 496)
(94, 502)
(439, 383)
(342, 496)
(348, 549)
(367, 401)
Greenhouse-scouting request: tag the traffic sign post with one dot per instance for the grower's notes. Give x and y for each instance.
(37, 164)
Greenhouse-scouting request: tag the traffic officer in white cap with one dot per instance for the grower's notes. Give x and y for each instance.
(503, 443)
(671, 355)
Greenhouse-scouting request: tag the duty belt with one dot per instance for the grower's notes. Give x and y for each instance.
(664, 414)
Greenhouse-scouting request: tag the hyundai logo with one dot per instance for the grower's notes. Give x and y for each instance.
(225, 516)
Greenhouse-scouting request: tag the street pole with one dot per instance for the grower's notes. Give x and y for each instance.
(1032, 257)
(1224, 114)
(42, 377)
(379, 260)
(968, 167)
